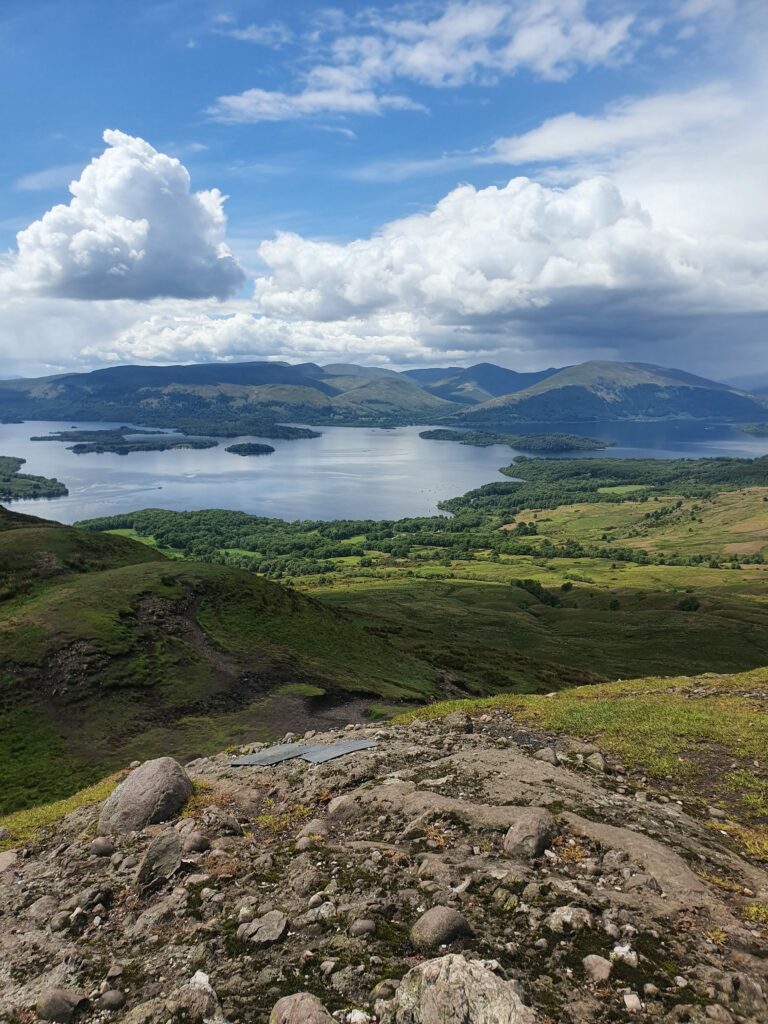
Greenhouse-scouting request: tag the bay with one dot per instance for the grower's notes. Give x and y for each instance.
(347, 473)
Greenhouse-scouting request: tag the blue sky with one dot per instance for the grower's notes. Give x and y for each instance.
(636, 230)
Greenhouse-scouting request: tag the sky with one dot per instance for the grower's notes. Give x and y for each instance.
(527, 182)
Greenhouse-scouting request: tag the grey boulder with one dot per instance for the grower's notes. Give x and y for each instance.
(439, 926)
(530, 834)
(60, 1004)
(301, 1008)
(453, 990)
(266, 930)
(153, 792)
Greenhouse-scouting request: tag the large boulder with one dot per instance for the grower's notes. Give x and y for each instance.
(301, 1008)
(530, 834)
(154, 792)
(452, 990)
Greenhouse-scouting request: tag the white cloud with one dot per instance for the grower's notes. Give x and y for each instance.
(624, 124)
(133, 229)
(467, 42)
(524, 250)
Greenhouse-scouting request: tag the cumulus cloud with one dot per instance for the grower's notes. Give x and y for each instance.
(466, 42)
(133, 229)
(499, 253)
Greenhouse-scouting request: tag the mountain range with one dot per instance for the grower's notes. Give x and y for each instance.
(233, 398)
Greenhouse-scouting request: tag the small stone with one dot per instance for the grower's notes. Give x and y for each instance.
(569, 919)
(112, 999)
(362, 927)
(301, 1008)
(597, 968)
(595, 761)
(196, 842)
(547, 755)
(632, 1002)
(625, 955)
(102, 847)
(530, 834)
(266, 930)
(439, 926)
(457, 721)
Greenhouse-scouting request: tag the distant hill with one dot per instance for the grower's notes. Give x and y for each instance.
(475, 384)
(611, 390)
(251, 398)
(227, 398)
(111, 650)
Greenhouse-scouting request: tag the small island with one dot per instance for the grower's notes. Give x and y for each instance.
(15, 485)
(248, 448)
(524, 442)
(118, 441)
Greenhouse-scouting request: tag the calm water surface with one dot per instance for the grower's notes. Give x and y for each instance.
(347, 473)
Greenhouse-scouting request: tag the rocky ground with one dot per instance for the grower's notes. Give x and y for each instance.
(460, 872)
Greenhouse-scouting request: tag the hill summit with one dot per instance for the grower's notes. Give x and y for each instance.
(468, 867)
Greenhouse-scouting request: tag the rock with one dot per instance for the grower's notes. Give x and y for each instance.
(452, 990)
(154, 792)
(595, 761)
(597, 968)
(102, 847)
(439, 926)
(457, 721)
(112, 999)
(531, 833)
(569, 919)
(60, 1004)
(161, 861)
(302, 1008)
(196, 842)
(196, 1001)
(43, 910)
(632, 1002)
(362, 927)
(7, 860)
(547, 755)
(266, 930)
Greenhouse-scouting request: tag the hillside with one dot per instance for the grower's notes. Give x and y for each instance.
(475, 384)
(225, 398)
(111, 651)
(608, 390)
(597, 856)
(242, 398)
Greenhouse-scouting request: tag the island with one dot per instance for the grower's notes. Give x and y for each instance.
(524, 442)
(15, 485)
(124, 441)
(248, 448)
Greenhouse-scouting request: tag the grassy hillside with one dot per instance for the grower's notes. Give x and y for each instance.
(610, 390)
(109, 651)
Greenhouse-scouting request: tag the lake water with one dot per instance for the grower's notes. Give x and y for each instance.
(347, 473)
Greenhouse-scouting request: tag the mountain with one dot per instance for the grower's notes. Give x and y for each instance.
(226, 398)
(475, 384)
(251, 398)
(610, 391)
(111, 651)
